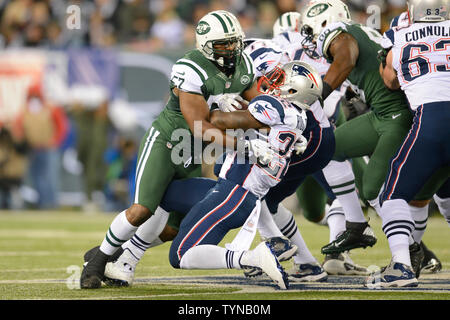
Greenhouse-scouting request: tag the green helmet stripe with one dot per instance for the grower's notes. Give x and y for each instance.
(225, 29)
(231, 23)
(248, 62)
(289, 20)
(193, 68)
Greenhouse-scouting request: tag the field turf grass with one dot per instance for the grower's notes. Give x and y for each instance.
(41, 258)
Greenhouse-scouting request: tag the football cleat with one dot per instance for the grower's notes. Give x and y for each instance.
(307, 272)
(91, 253)
(93, 271)
(120, 273)
(342, 264)
(430, 263)
(417, 256)
(253, 272)
(283, 250)
(282, 247)
(356, 235)
(396, 274)
(263, 258)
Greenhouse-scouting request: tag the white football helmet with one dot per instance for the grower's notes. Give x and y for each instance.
(317, 15)
(428, 10)
(220, 28)
(297, 82)
(289, 21)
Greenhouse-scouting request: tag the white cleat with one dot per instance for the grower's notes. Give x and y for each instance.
(263, 258)
(394, 275)
(342, 264)
(307, 272)
(121, 272)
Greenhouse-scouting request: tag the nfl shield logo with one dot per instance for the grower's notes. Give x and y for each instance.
(227, 85)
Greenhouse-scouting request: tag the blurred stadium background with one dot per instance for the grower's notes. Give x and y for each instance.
(75, 102)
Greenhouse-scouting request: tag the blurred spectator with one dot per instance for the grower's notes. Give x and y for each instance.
(168, 28)
(133, 20)
(43, 127)
(122, 160)
(89, 110)
(13, 165)
(54, 35)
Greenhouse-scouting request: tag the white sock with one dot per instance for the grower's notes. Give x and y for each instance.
(207, 256)
(375, 204)
(147, 233)
(286, 223)
(335, 220)
(266, 225)
(444, 207)
(420, 216)
(400, 250)
(341, 179)
(120, 231)
(397, 225)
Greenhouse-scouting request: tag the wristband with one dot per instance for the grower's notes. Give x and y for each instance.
(326, 90)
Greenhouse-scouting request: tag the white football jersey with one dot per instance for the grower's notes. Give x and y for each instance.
(291, 42)
(286, 125)
(421, 57)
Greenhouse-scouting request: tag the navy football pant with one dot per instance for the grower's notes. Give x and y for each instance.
(225, 207)
(425, 149)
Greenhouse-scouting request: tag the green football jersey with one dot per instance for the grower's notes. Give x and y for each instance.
(194, 73)
(365, 77)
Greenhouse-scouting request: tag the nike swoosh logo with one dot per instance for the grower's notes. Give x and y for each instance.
(338, 244)
(396, 116)
(181, 73)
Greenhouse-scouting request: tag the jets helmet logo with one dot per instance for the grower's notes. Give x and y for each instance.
(317, 9)
(203, 28)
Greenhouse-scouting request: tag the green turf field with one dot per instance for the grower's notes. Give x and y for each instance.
(41, 258)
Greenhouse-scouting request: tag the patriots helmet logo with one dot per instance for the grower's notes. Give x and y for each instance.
(302, 71)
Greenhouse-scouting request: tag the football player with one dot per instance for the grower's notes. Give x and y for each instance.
(288, 21)
(420, 205)
(352, 50)
(215, 67)
(418, 64)
(265, 55)
(241, 186)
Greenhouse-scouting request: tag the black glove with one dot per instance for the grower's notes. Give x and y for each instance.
(381, 56)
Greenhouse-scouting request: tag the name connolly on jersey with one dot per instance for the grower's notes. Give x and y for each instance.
(440, 31)
(188, 150)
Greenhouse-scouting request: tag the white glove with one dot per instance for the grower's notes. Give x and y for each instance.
(301, 145)
(229, 102)
(261, 150)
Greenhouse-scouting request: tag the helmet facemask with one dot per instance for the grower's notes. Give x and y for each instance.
(309, 43)
(316, 16)
(272, 81)
(227, 52)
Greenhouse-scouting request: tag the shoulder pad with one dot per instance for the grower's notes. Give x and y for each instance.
(328, 35)
(400, 21)
(267, 109)
(188, 76)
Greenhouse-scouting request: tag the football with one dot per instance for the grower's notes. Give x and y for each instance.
(243, 105)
